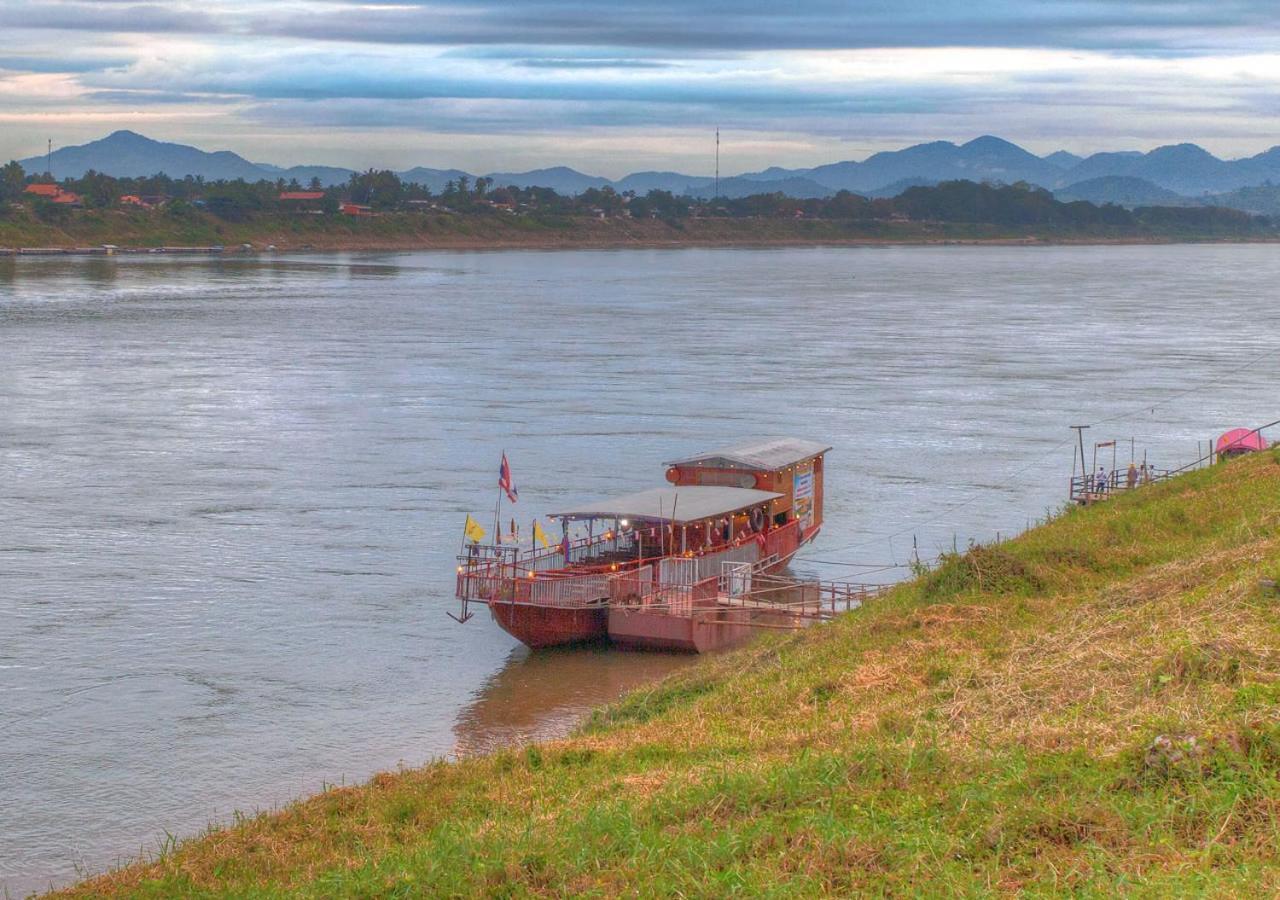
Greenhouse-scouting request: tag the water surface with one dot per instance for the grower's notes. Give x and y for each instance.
(231, 490)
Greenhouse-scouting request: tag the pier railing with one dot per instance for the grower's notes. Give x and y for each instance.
(1092, 488)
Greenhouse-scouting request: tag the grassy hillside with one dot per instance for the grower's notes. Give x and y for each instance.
(1091, 708)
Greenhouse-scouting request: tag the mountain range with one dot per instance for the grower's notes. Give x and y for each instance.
(1178, 174)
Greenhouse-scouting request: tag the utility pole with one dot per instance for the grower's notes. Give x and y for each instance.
(48, 158)
(1079, 430)
(717, 197)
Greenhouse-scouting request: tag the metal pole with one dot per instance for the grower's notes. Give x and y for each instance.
(497, 520)
(1079, 429)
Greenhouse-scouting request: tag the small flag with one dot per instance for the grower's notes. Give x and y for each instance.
(504, 479)
(539, 535)
(472, 530)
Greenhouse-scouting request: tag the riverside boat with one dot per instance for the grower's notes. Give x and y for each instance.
(666, 568)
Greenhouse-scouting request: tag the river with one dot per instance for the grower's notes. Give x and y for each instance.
(231, 490)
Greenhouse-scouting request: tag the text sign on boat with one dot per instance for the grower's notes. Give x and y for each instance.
(803, 495)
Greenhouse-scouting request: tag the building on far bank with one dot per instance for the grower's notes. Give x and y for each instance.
(302, 201)
(54, 194)
(355, 209)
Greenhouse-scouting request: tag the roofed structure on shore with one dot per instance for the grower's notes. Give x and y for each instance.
(768, 455)
(679, 505)
(1240, 440)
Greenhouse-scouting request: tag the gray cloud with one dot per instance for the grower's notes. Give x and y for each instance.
(106, 17)
(1147, 26)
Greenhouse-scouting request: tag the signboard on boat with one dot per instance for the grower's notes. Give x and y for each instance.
(802, 495)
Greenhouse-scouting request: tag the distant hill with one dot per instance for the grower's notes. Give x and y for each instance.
(983, 159)
(434, 179)
(129, 154)
(560, 179)
(675, 182)
(1186, 171)
(1123, 190)
(1263, 199)
(1063, 160)
(328, 175)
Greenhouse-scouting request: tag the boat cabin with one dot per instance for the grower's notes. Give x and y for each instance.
(792, 468)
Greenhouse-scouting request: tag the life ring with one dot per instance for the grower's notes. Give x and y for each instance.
(757, 520)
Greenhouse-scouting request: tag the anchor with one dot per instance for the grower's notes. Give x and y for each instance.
(465, 615)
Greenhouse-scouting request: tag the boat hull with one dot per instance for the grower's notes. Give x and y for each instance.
(709, 629)
(547, 626)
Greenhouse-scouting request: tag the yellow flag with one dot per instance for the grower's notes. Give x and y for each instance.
(539, 535)
(472, 530)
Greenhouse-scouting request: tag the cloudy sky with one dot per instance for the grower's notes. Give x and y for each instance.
(612, 86)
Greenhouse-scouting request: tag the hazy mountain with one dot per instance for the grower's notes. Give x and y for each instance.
(126, 153)
(1063, 160)
(434, 179)
(1123, 190)
(735, 188)
(1263, 199)
(328, 175)
(644, 182)
(1183, 169)
(560, 179)
(983, 159)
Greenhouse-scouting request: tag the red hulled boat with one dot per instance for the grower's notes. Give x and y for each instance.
(658, 569)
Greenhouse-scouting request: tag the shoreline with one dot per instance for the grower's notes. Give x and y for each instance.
(103, 233)
(81, 251)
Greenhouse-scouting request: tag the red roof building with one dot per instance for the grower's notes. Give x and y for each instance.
(52, 192)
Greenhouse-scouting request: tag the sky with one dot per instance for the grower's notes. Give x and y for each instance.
(615, 86)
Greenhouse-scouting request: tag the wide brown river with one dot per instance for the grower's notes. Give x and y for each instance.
(231, 490)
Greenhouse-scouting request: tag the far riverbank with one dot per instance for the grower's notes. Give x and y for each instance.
(128, 231)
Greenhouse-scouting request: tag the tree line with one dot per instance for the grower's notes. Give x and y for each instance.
(1018, 206)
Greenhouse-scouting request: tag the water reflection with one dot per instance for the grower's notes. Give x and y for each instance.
(544, 695)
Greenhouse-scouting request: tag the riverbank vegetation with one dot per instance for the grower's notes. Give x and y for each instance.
(1092, 707)
(376, 210)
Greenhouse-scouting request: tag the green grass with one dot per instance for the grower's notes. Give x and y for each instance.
(1088, 709)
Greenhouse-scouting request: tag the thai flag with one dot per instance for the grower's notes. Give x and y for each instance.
(504, 479)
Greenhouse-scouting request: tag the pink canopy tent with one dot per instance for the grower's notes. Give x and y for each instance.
(1240, 440)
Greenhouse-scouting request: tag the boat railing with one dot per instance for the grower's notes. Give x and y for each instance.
(505, 572)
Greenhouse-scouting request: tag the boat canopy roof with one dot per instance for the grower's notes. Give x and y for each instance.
(767, 455)
(672, 504)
